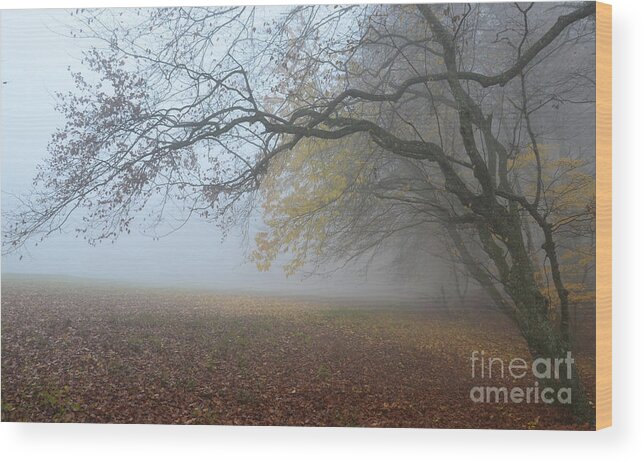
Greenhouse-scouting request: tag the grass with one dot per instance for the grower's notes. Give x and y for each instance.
(323, 372)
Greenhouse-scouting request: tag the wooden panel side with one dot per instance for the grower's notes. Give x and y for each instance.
(603, 215)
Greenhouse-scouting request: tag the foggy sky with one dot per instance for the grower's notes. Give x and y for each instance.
(34, 61)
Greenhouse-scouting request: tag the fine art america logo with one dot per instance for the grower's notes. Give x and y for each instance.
(551, 371)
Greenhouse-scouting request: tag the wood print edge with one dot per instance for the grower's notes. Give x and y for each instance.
(603, 215)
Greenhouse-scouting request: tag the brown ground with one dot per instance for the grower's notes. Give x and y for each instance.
(100, 354)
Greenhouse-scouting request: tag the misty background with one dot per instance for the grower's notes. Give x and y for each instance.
(35, 58)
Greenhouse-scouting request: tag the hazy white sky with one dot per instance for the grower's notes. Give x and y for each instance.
(35, 56)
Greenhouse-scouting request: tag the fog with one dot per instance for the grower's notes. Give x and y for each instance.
(35, 57)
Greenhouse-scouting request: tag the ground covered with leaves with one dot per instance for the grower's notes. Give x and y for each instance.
(80, 353)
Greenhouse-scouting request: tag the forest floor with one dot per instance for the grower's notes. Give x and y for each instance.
(123, 355)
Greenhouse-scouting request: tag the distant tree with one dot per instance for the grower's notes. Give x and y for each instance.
(355, 124)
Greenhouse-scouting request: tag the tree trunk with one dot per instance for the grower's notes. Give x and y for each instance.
(544, 341)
